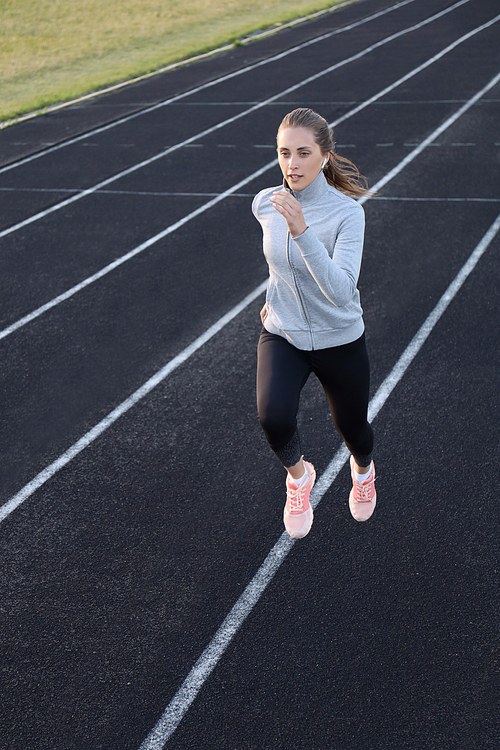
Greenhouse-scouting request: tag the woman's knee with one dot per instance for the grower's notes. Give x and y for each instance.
(360, 441)
(277, 423)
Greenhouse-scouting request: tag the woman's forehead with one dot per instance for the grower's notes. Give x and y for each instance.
(296, 138)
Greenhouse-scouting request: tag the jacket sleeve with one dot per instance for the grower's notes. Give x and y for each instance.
(256, 203)
(337, 277)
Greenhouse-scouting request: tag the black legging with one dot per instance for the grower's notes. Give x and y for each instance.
(344, 373)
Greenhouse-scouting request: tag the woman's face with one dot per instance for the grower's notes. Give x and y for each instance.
(300, 157)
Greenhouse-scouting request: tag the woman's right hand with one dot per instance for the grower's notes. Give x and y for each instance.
(263, 314)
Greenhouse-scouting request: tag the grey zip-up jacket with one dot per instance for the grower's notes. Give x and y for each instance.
(312, 298)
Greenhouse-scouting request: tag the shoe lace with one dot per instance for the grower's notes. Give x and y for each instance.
(296, 497)
(364, 491)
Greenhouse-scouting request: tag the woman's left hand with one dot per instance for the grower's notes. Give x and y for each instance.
(290, 208)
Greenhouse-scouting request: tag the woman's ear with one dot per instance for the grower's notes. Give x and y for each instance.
(325, 162)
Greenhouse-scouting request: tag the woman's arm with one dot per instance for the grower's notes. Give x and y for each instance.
(337, 276)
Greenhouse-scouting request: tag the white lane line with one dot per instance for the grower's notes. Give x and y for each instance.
(211, 656)
(140, 165)
(124, 258)
(435, 200)
(419, 69)
(109, 192)
(39, 190)
(125, 406)
(209, 84)
(197, 58)
(155, 194)
(432, 137)
(230, 191)
(424, 331)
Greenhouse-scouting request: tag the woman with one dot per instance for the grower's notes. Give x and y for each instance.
(312, 320)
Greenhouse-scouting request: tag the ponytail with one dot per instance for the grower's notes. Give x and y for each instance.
(342, 174)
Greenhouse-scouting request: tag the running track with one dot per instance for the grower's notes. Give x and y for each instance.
(149, 596)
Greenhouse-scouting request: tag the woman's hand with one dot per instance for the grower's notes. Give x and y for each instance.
(290, 208)
(263, 314)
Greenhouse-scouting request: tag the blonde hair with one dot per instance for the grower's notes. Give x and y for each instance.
(340, 172)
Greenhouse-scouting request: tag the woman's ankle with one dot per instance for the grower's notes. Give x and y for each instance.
(298, 470)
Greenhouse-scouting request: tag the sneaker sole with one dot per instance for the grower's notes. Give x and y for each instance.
(296, 535)
(354, 504)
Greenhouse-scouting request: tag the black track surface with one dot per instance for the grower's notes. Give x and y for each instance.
(119, 569)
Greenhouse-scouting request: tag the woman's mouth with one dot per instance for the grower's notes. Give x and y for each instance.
(294, 177)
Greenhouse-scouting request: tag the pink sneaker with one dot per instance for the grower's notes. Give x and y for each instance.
(298, 514)
(363, 497)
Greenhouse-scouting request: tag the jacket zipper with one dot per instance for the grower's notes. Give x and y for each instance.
(299, 295)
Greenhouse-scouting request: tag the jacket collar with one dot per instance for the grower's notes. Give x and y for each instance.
(313, 192)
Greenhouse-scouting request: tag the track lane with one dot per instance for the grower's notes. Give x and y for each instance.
(153, 92)
(24, 174)
(85, 367)
(164, 177)
(66, 504)
(67, 412)
(202, 670)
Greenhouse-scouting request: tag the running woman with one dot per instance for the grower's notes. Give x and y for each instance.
(313, 232)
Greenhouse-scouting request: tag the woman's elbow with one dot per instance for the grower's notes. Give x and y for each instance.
(342, 297)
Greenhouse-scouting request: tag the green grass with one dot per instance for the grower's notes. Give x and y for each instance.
(55, 50)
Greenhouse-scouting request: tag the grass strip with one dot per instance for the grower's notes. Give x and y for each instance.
(56, 50)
